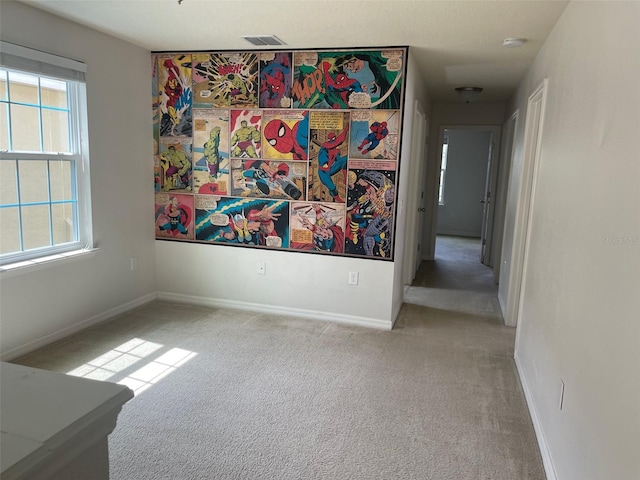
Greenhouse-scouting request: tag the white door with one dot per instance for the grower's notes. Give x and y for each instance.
(489, 203)
(415, 205)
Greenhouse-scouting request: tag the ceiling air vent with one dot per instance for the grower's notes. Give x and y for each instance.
(262, 40)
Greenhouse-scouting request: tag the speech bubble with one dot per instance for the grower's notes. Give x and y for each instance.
(274, 242)
(219, 219)
(359, 100)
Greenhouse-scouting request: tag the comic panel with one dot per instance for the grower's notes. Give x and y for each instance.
(175, 95)
(346, 80)
(242, 221)
(226, 79)
(317, 227)
(285, 135)
(155, 103)
(275, 80)
(245, 133)
(202, 78)
(268, 178)
(211, 151)
(175, 167)
(370, 209)
(174, 216)
(328, 149)
(374, 134)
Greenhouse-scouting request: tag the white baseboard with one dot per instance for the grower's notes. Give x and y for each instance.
(70, 330)
(547, 461)
(459, 233)
(278, 310)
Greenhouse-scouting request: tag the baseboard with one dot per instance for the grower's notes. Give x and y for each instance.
(275, 309)
(459, 233)
(547, 461)
(70, 330)
(396, 312)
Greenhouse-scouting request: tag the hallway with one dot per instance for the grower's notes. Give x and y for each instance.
(456, 280)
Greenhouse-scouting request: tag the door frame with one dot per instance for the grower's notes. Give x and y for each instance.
(507, 153)
(494, 160)
(415, 199)
(533, 128)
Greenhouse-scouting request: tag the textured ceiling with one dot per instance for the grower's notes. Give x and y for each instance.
(455, 43)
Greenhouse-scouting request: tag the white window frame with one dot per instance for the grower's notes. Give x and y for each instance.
(33, 62)
(443, 171)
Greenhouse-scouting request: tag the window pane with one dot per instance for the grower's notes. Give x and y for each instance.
(4, 126)
(35, 226)
(8, 187)
(61, 181)
(55, 131)
(3, 84)
(9, 233)
(53, 93)
(25, 128)
(34, 183)
(63, 224)
(23, 88)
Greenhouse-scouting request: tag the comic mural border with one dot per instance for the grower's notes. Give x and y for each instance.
(293, 150)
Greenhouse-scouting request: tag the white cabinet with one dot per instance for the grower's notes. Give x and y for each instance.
(55, 426)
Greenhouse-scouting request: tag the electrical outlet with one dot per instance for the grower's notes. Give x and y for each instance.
(353, 278)
(262, 268)
(134, 263)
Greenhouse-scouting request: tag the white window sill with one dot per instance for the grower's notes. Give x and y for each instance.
(35, 264)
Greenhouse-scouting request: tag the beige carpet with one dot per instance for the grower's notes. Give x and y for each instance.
(223, 394)
(456, 280)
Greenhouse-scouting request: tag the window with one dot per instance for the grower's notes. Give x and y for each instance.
(44, 176)
(443, 170)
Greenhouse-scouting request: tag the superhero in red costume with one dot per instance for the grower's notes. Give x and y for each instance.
(339, 88)
(378, 132)
(265, 218)
(289, 140)
(330, 162)
(327, 237)
(172, 88)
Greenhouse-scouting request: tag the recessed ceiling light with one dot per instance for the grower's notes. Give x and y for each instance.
(262, 40)
(513, 42)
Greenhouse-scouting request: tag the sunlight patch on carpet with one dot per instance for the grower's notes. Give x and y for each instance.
(129, 364)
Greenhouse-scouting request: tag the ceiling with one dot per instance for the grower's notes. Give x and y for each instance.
(455, 43)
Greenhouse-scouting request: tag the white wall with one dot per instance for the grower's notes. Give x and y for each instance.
(414, 90)
(449, 114)
(580, 313)
(465, 181)
(38, 307)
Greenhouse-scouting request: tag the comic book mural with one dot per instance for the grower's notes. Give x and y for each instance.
(288, 150)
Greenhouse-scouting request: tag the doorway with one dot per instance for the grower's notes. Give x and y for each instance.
(468, 179)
